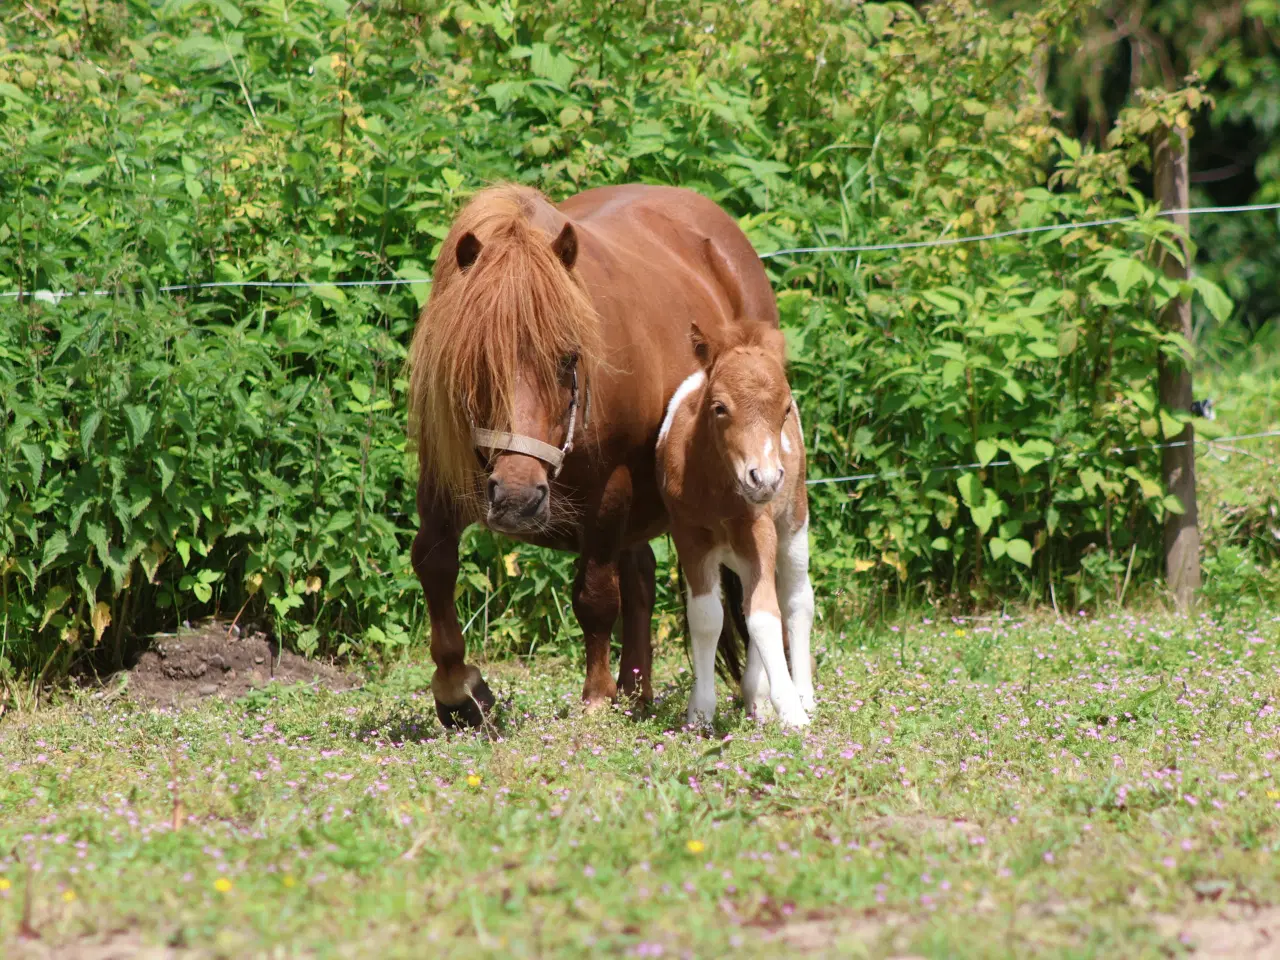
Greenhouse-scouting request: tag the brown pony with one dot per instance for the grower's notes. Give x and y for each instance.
(539, 375)
(731, 469)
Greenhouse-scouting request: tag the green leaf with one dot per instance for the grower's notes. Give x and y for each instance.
(998, 547)
(970, 489)
(1170, 425)
(360, 391)
(85, 175)
(1014, 389)
(14, 93)
(555, 67)
(140, 419)
(1173, 504)
(986, 451)
(54, 547)
(1150, 488)
(34, 455)
(1215, 300)
(53, 601)
(327, 291)
(1020, 550)
(89, 429)
(1126, 273)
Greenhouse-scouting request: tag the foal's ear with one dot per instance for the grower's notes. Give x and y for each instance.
(701, 346)
(468, 248)
(565, 246)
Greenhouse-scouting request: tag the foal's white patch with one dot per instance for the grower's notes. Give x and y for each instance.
(795, 596)
(768, 448)
(706, 616)
(766, 635)
(691, 383)
(786, 444)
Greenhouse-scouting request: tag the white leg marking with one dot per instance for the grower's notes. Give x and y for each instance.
(766, 633)
(691, 383)
(755, 684)
(706, 615)
(795, 597)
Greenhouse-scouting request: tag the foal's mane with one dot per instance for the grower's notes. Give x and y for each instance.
(516, 309)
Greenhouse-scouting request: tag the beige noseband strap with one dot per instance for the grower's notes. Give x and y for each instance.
(515, 443)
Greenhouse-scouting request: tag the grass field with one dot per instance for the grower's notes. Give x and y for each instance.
(969, 789)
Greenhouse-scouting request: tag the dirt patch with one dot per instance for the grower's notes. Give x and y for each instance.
(920, 824)
(113, 946)
(1237, 931)
(213, 659)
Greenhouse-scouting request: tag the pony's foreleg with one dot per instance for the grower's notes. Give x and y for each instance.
(636, 570)
(461, 695)
(596, 603)
(795, 595)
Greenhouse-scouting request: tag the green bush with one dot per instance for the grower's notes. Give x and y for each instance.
(169, 453)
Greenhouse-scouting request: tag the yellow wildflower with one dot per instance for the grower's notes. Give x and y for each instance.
(1273, 794)
(695, 846)
(68, 895)
(473, 781)
(222, 885)
(4, 884)
(288, 880)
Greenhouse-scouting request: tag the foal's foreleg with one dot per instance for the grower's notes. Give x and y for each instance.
(764, 623)
(795, 595)
(706, 617)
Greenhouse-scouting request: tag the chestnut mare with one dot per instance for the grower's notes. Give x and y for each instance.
(539, 375)
(731, 467)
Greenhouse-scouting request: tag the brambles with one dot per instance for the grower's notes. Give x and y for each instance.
(168, 454)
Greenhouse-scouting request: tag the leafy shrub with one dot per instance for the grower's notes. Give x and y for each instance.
(169, 453)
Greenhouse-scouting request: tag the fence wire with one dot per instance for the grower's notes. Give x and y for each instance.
(54, 296)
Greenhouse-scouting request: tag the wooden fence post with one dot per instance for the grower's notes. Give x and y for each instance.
(1178, 464)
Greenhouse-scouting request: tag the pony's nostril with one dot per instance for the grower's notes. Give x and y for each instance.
(493, 490)
(537, 500)
(754, 475)
(782, 472)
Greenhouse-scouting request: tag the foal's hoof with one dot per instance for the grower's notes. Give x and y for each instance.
(472, 712)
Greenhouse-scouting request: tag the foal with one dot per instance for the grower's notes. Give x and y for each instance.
(731, 470)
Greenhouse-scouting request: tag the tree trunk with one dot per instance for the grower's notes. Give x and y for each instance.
(1178, 463)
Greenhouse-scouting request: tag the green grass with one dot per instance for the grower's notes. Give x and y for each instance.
(987, 788)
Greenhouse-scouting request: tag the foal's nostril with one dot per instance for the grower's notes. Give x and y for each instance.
(754, 474)
(782, 472)
(493, 490)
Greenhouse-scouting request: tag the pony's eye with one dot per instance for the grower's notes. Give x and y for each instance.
(719, 409)
(567, 362)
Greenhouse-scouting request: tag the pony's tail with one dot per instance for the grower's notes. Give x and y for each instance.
(731, 648)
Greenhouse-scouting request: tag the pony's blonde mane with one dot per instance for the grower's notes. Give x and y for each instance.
(515, 309)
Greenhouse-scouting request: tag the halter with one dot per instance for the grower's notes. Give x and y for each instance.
(532, 447)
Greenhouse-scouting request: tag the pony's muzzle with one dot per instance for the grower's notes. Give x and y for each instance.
(517, 506)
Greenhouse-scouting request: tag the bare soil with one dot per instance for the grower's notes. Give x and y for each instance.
(1237, 931)
(214, 659)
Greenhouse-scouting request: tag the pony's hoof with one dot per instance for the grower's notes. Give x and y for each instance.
(807, 702)
(472, 712)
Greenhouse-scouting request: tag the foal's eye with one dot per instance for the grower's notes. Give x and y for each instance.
(719, 409)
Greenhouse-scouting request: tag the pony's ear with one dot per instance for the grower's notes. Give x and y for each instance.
(469, 247)
(773, 341)
(565, 246)
(701, 346)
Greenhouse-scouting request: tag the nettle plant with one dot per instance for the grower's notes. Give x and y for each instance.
(171, 454)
